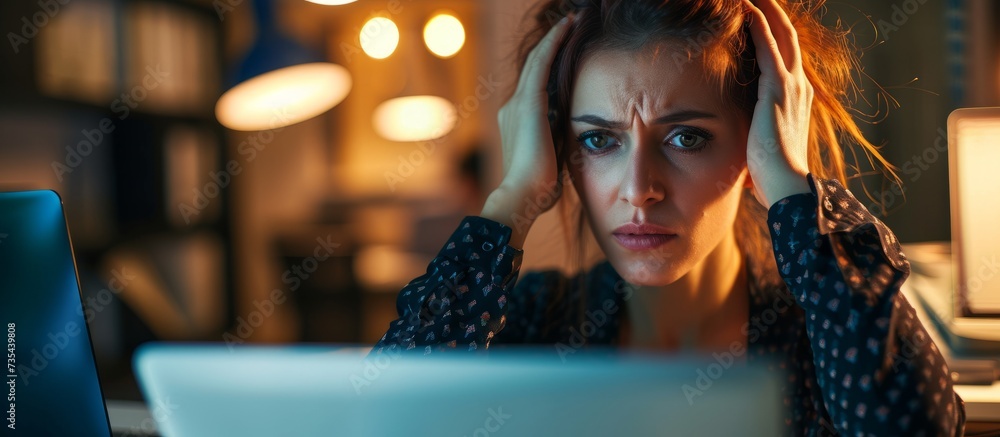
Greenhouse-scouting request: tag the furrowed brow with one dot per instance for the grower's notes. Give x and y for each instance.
(677, 117)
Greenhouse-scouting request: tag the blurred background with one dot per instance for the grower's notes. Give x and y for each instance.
(197, 215)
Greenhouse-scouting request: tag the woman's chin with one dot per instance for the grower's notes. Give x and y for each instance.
(647, 275)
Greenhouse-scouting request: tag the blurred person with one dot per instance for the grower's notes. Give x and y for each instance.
(701, 141)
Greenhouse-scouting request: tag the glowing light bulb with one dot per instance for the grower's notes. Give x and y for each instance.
(283, 97)
(414, 118)
(444, 35)
(379, 37)
(332, 2)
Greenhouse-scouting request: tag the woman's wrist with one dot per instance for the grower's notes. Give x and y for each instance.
(504, 205)
(783, 185)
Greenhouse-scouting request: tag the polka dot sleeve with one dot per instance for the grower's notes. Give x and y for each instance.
(879, 372)
(461, 301)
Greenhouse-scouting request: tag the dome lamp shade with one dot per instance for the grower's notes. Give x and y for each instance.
(279, 82)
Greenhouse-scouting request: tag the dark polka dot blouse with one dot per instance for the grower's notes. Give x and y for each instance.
(856, 360)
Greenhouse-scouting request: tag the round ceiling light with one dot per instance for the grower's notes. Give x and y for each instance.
(444, 35)
(379, 37)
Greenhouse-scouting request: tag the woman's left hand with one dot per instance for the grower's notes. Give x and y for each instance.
(778, 141)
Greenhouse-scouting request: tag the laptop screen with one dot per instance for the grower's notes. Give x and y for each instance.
(974, 143)
(50, 382)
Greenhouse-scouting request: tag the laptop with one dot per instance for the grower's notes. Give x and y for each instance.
(959, 281)
(974, 153)
(50, 383)
(323, 390)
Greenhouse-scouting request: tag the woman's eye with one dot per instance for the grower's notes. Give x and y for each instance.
(687, 140)
(596, 140)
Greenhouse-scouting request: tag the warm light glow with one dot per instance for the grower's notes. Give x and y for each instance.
(379, 37)
(332, 2)
(283, 97)
(444, 35)
(415, 118)
(381, 267)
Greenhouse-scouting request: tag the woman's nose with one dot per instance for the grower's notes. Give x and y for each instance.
(643, 182)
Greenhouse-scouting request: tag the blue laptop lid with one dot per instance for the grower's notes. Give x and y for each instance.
(50, 382)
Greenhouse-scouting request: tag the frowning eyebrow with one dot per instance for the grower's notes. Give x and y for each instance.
(676, 117)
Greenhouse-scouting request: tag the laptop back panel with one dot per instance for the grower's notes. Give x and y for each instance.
(317, 390)
(50, 381)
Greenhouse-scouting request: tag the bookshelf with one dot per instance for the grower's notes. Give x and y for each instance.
(110, 103)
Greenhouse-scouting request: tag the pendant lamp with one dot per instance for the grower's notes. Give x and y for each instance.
(279, 82)
(420, 112)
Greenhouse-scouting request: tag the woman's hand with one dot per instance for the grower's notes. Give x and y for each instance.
(531, 183)
(777, 146)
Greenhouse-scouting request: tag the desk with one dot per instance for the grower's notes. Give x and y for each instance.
(982, 402)
(130, 418)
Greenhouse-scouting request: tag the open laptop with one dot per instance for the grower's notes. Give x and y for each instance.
(211, 390)
(974, 154)
(50, 383)
(959, 281)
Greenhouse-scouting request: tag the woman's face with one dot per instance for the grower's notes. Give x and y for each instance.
(652, 143)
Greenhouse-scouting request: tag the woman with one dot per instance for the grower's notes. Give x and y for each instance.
(701, 138)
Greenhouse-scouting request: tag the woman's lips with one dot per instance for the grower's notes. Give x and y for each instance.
(643, 236)
(644, 241)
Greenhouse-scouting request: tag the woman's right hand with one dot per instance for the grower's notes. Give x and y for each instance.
(531, 183)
